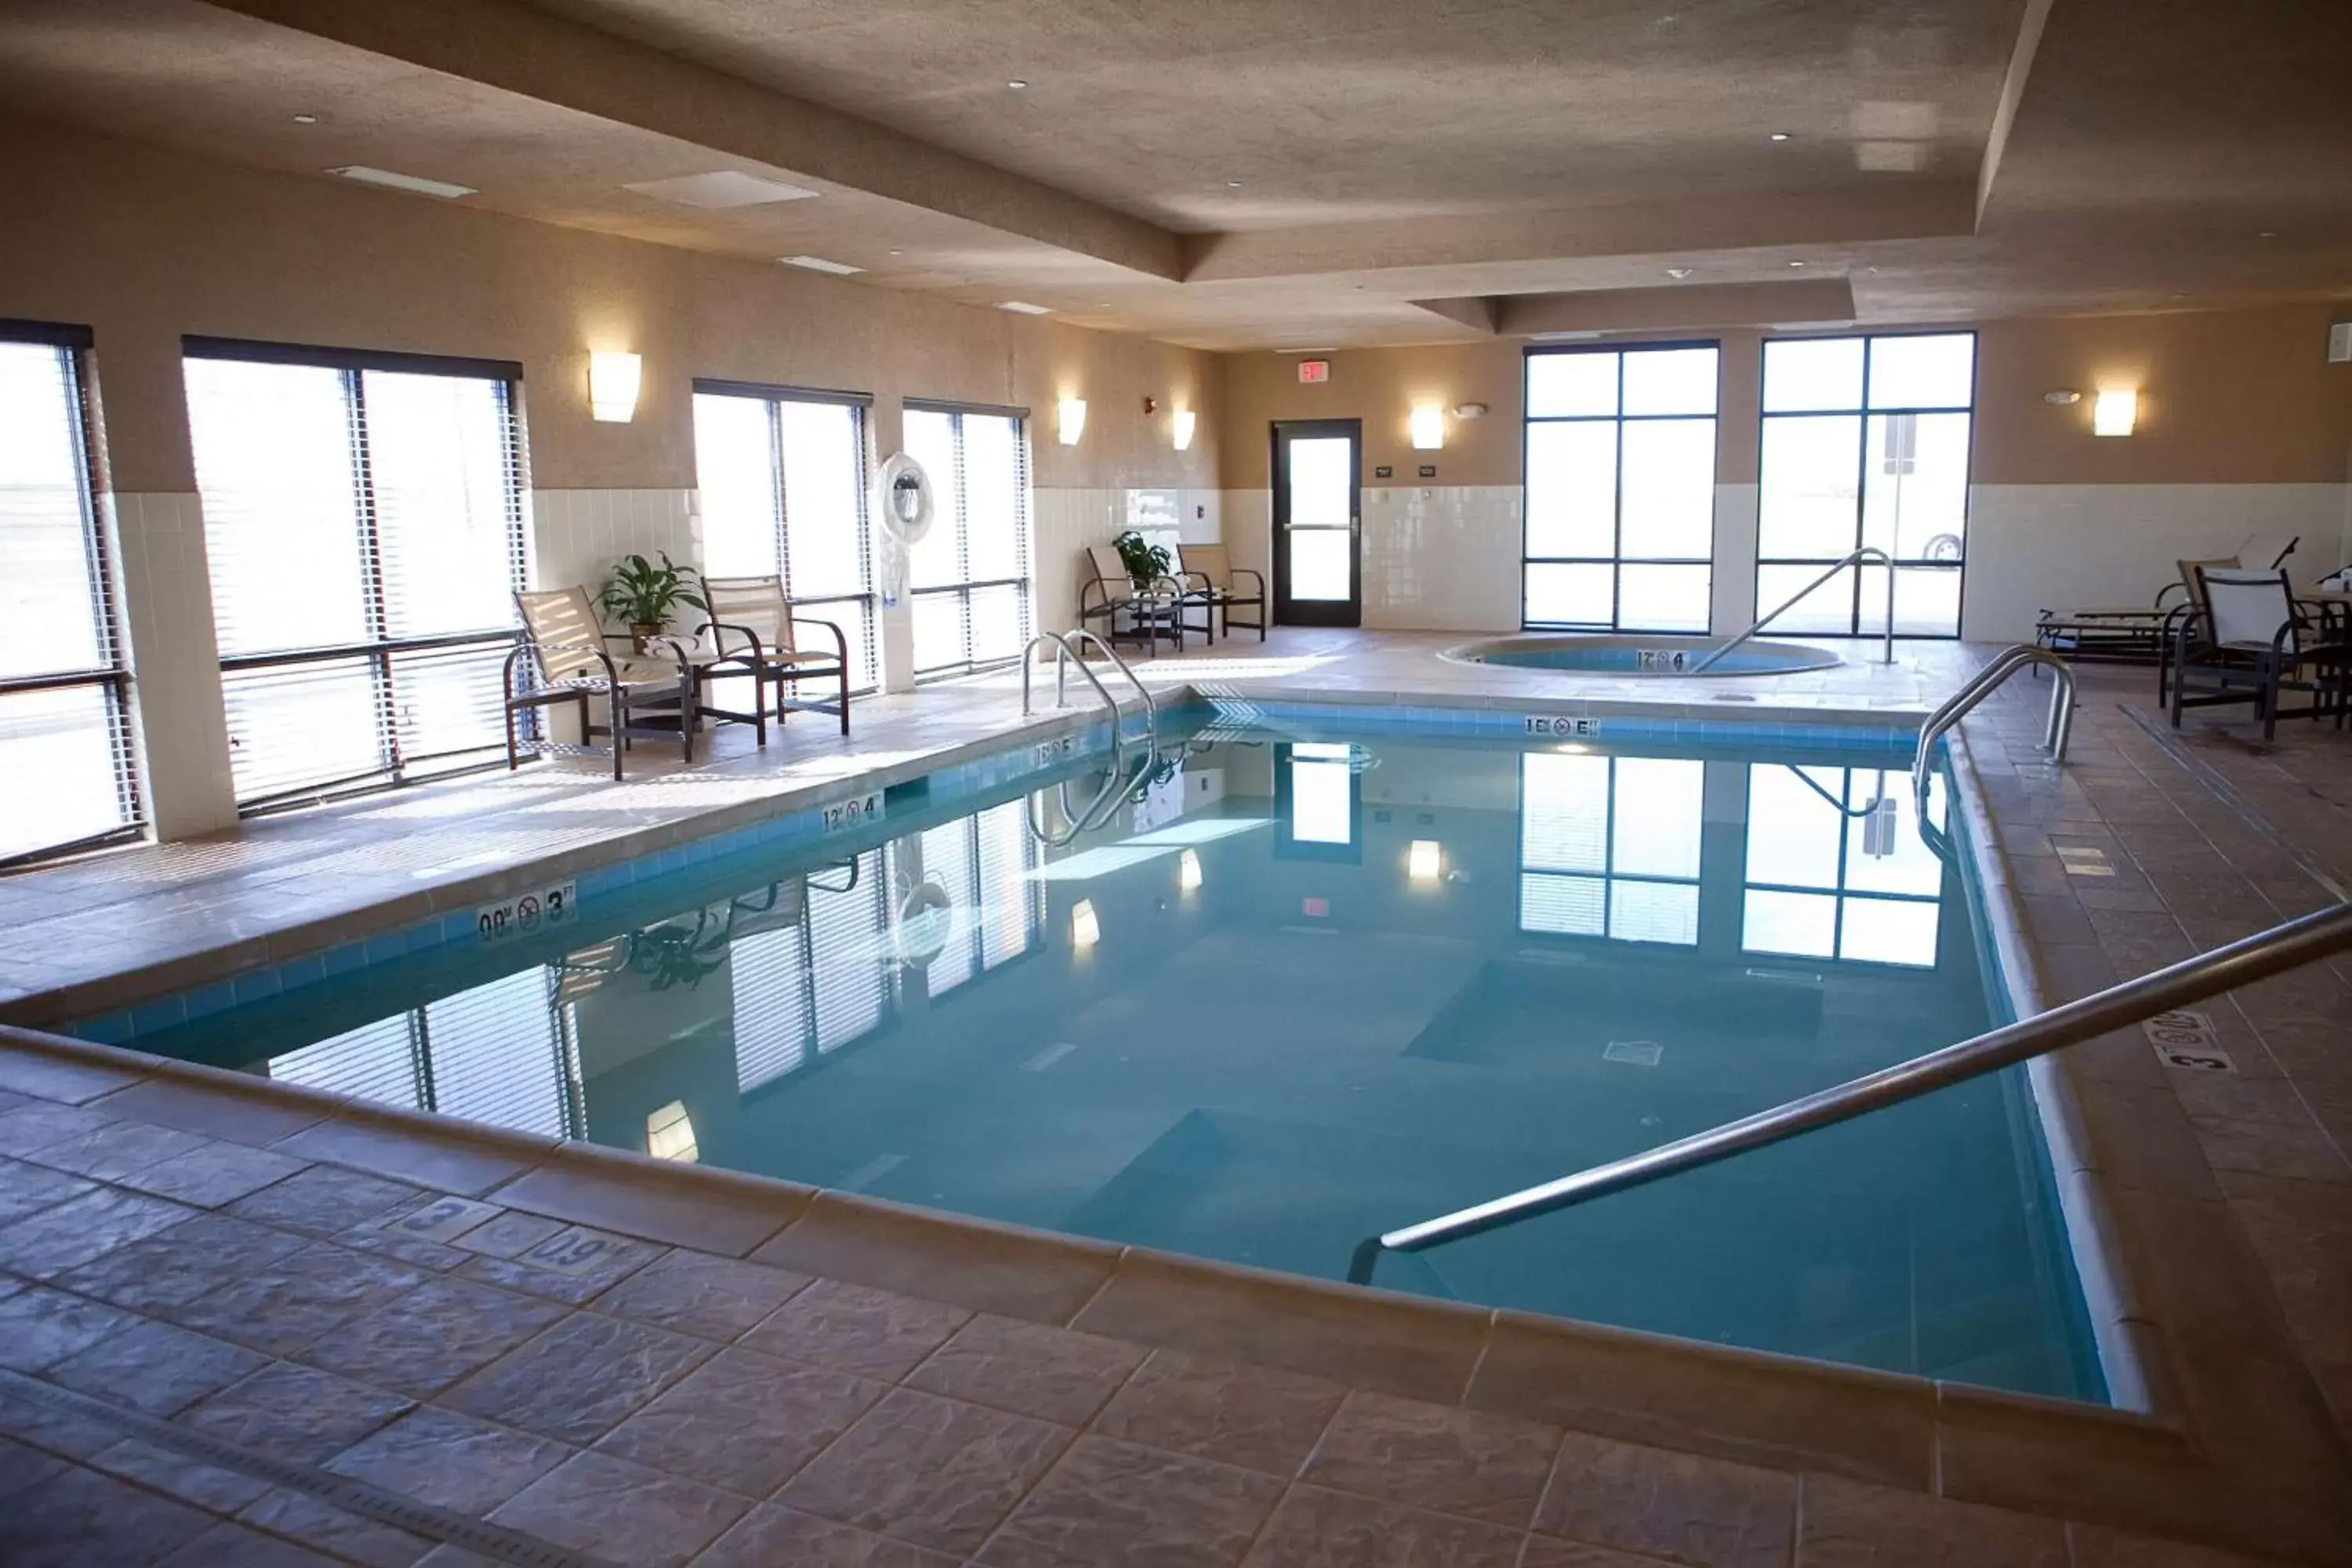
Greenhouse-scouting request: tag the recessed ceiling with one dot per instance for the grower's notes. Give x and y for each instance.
(1240, 173)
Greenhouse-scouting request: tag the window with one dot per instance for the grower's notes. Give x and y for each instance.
(1318, 800)
(1865, 441)
(783, 493)
(364, 518)
(1620, 497)
(1820, 884)
(969, 576)
(995, 908)
(65, 743)
(1610, 847)
(819, 982)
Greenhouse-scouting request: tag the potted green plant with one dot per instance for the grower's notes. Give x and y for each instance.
(642, 596)
(1145, 563)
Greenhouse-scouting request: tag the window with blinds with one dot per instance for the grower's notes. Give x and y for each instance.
(363, 520)
(64, 743)
(1608, 846)
(783, 476)
(969, 576)
(808, 989)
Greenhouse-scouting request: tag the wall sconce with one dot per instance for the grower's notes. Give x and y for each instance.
(1428, 427)
(2115, 411)
(1424, 860)
(1084, 931)
(1188, 871)
(1073, 420)
(1186, 419)
(612, 380)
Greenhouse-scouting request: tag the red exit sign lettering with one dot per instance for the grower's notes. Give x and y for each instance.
(1313, 370)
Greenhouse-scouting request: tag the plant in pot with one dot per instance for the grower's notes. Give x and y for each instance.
(643, 596)
(1145, 563)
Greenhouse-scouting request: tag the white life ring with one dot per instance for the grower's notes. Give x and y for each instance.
(902, 499)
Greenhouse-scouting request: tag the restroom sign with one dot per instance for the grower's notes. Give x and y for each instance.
(2185, 1040)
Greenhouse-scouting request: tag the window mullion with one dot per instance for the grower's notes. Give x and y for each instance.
(781, 499)
(371, 587)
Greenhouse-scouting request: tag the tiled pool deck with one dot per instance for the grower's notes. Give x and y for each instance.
(259, 1356)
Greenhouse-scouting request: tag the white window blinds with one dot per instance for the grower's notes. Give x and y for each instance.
(783, 493)
(63, 743)
(969, 575)
(364, 528)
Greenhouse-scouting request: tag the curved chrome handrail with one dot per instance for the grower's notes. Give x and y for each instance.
(1998, 669)
(2257, 957)
(1867, 553)
(1119, 778)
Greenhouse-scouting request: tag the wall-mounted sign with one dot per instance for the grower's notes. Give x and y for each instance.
(1313, 371)
(1383, 471)
(1662, 658)
(527, 913)
(856, 812)
(1060, 749)
(1563, 726)
(1429, 470)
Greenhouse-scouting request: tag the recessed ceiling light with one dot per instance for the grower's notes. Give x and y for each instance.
(898, 253)
(1232, 185)
(1678, 271)
(1795, 264)
(306, 119)
(2267, 234)
(1023, 307)
(1018, 85)
(721, 188)
(1779, 136)
(819, 264)
(398, 182)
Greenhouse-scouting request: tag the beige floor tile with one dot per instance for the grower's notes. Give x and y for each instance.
(28, 1189)
(347, 1537)
(1848, 1524)
(156, 1368)
(1449, 1460)
(450, 1460)
(626, 1512)
(697, 1293)
(49, 1244)
(579, 1379)
(1054, 1374)
(1681, 1507)
(989, 1268)
(293, 1413)
(936, 1472)
(174, 1266)
(217, 1172)
(421, 1343)
(1250, 1416)
(1106, 1503)
(772, 1535)
(1312, 1528)
(40, 1327)
(454, 1163)
(709, 1216)
(743, 1421)
(875, 1334)
(574, 1265)
(286, 1304)
(322, 1200)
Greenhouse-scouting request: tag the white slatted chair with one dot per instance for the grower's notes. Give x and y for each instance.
(754, 631)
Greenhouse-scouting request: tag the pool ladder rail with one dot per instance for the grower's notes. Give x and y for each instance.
(2306, 939)
(1986, 681)
(1120, 778)
(1868, 554)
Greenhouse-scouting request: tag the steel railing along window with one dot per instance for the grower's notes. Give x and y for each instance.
(65, 739)
(783, 477)
(1866, 441)
(364, 522)
(969, 578)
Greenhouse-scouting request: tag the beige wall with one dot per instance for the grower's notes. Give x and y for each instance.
(143, 246)
(2244, 440)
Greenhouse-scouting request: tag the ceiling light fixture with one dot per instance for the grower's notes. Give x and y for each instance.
(1678, 271)
(1232, 185)
(721, 188)
(413, 183)
(819, 264)
(1017, 85)
(1795, 264)
(306, 119)
(1023, 307)
(1779, 136)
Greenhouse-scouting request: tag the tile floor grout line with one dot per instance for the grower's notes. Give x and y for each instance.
(380, 1504)
(2227, 793)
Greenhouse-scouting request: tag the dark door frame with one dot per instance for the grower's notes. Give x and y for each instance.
(1347, 612)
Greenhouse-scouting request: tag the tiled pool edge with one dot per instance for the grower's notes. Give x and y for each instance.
(2128, 1364)
(2063, 1460)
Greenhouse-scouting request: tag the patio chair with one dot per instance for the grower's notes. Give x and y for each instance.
(562, 639)
(2253, 640)
(753, 631)
(1107, 595)
(1206, 570)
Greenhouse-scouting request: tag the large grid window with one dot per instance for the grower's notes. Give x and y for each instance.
(969, 575)
(364, 522)
(783, 494)
(1865, 441)
(65, 744)
(1620, 500)
(1610, 847)
(1821, 885)
(818, 983)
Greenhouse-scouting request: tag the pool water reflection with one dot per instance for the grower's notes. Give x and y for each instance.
(1307, 989)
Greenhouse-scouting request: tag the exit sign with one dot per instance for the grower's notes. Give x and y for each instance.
(1312, 370)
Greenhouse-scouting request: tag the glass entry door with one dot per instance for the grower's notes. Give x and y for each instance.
(1318, 522)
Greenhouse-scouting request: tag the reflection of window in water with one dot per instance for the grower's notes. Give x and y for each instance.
(1322, 798)
(1813, 890)
(1610, 846)
(499, 1053)
(827, 980)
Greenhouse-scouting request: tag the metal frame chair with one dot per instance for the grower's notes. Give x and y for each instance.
(755, 610)
(1209, 566)
(564, 639)
(2248, 639)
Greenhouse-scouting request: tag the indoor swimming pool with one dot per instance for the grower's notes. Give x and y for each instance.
(1309, 986)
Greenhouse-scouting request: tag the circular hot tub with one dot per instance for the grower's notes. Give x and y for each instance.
(1610, 654)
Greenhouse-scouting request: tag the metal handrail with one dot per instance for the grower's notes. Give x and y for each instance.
(1119, 778)
(1867, 553)
(2258, 957)
(1998, 669)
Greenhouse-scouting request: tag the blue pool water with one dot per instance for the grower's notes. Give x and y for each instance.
(1616, 654)
(1309, 988)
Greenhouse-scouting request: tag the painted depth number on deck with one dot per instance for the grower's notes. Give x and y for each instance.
(2184, 1039)
(858, 810)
